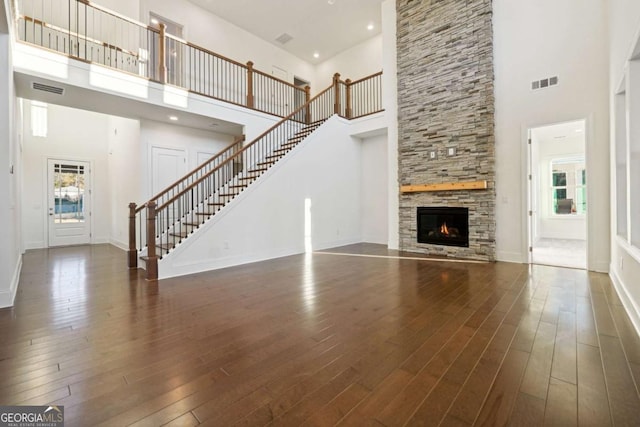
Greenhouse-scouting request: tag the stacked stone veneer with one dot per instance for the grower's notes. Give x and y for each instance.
(445, 99)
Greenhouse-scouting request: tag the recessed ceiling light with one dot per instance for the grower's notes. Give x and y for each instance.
(370, 27)
(578, 130)
(173, 118)
(331, 1)
(154, 21)
(316, 55)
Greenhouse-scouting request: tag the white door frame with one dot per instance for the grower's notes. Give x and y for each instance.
(88, 206)
(527, 196)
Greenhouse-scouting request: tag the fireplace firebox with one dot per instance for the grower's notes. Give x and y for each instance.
(443, 226)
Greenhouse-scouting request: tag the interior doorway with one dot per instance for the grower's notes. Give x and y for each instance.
(558, 195)
(300, 97)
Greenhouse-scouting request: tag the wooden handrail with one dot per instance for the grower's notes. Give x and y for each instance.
(116, 14)
(286, 83)
(244, 149)
(205, 50)
(231, 61)
(379, 73)
(79, 36)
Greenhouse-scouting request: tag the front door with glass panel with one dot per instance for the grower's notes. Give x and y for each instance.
(69, 195)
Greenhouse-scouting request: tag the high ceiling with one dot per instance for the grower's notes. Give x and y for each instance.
(327, 27)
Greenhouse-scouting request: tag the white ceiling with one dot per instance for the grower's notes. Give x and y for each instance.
(567, 130)
(315, 25)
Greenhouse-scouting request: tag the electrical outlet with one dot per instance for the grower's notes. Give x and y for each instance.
(451, 151)
(225, 245)
(433, 154)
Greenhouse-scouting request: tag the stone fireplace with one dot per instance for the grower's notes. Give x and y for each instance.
(446, 119)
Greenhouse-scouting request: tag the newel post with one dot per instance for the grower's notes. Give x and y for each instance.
(162, 57)
(133, 250)
(307, 98)
(152, 259)
(348, 99)
(249, 84)
(336, 89)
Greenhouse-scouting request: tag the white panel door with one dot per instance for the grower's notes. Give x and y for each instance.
(168, 165)
(69, 200)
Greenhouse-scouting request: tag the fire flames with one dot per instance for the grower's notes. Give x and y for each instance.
(444, 229)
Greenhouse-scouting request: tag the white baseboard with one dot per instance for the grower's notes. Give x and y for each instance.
(34, 245)
(119, 244)
(506, 256)
(8, 297)
(632, 308)
(599, 267)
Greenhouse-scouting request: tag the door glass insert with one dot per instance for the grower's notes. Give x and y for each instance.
(69, 186)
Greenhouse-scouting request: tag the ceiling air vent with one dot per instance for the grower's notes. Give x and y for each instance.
(284, 38)
(47, 88)
(544, 83)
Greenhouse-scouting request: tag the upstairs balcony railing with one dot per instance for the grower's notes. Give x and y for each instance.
(88, 32)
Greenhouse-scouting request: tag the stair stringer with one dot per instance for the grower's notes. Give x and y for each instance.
(267, 219)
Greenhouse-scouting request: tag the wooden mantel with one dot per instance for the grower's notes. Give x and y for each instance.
(445, 186)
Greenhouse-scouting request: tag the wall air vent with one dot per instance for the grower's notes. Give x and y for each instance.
(284, 38)
(47, 88)
(544, 83)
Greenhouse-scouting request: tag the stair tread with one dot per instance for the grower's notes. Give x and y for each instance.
(215, 204)
(259, 170)
(204, 213)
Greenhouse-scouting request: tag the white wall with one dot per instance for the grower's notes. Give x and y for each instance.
(531, 43)
(267, 219)
(192, 141)
(124, 162)
(354, 63)
(373, 190)
(10, 173)
(624, 32)
(128, 8)
(72, 135)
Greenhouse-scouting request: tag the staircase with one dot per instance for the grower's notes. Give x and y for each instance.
(172, 216)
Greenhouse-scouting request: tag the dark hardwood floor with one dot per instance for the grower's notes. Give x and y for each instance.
(319, 339)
